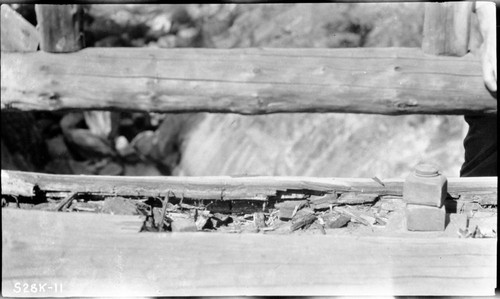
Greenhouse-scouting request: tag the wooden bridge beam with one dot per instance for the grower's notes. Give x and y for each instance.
(103, 255)
(481, 189)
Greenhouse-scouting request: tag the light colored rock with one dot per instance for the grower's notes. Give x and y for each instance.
(334, 145)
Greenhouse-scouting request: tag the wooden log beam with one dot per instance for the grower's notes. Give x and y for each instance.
(389, 81)
(61, 27)
(225, 187)
(103, 255)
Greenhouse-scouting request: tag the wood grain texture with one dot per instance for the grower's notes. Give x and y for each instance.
(17, 34)
(61, 27)
(103, 255)
(248, 81)
(224, 1)
(447, 28)
(225, 187)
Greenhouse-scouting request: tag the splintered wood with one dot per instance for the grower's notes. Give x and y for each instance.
(274, 205)
(231, 188)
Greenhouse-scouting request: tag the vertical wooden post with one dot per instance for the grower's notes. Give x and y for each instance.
(21, 142)
(447, 28)
(61, 27)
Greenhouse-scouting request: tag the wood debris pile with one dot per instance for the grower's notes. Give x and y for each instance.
(283, 214)
(313, 214)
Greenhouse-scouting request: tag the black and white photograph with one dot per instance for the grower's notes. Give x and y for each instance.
(249, 148)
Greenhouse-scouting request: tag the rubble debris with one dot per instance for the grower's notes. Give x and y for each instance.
(259, 220)
(323, 202)
(371, 220)
(313, 215)
(282, 227)
(302, 222)
(190, 207)
(149, 225)
(87, 206)
(351, 213)
(335, 220)
(320, 226)
(380, 220)
(287, 208)
(484, 232)
(218, 219)
(240, 206)
(291, 196)
(119, 206)
(273, 217)
(201, 219)
(66, 202)
(143, 208)
(163, 212)
(357, 198)
(477, 232)
(302, 213)
(83, 209)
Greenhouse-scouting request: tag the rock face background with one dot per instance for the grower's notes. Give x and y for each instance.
(339, 145)
(333, 145)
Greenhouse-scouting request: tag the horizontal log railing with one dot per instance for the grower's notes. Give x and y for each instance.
(480, 189)
(391, 81)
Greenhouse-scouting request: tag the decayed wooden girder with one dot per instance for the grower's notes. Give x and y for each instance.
(480, 189)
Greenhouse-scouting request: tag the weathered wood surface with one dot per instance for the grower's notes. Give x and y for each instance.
(225, 187)
(247, 81)
(17, 34)
(104, 255)
(61, 27)
(447, 28)
(221, 1)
